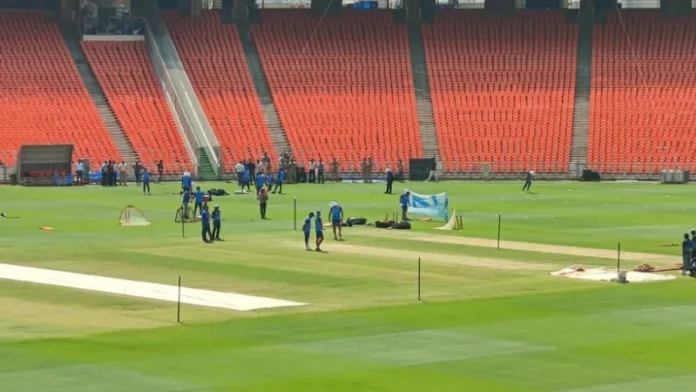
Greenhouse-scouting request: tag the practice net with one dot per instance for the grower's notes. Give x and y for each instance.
(132, 216)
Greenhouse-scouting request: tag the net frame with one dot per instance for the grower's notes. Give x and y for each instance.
(127, 219)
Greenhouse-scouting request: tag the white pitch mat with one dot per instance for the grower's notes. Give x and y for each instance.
(609, 275)
(132, 288)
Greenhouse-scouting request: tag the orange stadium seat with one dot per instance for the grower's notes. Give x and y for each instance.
(130, 84)
(42, 97)
(503, 89)
(213, 57)
(344, 89)
(643, 100)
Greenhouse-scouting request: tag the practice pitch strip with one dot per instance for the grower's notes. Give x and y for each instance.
(132, 288)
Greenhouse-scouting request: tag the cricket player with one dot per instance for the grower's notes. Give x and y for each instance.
(198, 200)
(259, 182)
(279, 181)
(262, 197)
(216, 223)
(205, 226)
(186, 182)
(319, 231)
(528, 181)
(403, 201)
(687, 248)
(336, 213)
(185, 204)
(246, 179)
(146, 181)
(306, 228)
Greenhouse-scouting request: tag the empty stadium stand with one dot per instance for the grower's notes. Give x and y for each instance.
(342, 87)
(643, 100)
(130, 85)
(502, 89)
(42, 98)
(213, 57)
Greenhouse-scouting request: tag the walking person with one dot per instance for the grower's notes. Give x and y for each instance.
(390, 181)
(306, 228)
(146, 181)
(279, 181)
(246, 179)
(319, 231)
(528, 181)
(216, 223)
(262, 197)
(205, 226)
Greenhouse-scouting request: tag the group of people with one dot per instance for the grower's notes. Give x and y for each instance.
(689, 254)
(200, 204)
(336, 214)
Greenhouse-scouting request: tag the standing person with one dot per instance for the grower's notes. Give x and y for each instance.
(320, 171)
(185, 204)
(137, 169)
(186, 182)
(336, 213)
(693, 241)
(268, 180)
(160, 171)
(105, 173)
(246, 179)
(146, 181)
(216, 223)
(279, 181)
(110, 174)
(205, 226)
(306, 228)
(400, 173)
(528, 181)
(363, 169)
(198, 200)
(370, 167)
(239, 169)
(390, 181)
(259, 182)
(80, 172)
(432, 176)
(334, 169)
(403, 201)
(687, 248)
(319, 231)
(253, 169)
(312, 175)
(122, 173)
(262, 197)
(292, 167)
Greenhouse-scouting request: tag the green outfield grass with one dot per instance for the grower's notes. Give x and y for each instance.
(489, 320)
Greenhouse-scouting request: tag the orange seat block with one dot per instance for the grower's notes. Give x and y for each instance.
(503, 89)
(42, 97)
(130, 84)
(643, 97)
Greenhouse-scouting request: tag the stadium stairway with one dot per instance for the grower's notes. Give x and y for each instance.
(270, 113)
(205, 168)
(97, 94)
(421, 84)
(583, 82)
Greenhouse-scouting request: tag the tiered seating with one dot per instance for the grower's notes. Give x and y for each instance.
(643, 100)
(503, 89)
(345, 89)
(42, 97)
(214, 60)
(129, 82)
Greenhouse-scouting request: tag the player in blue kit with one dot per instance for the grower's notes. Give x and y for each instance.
(198, 201)
(259, 182)
(186, 182)
(279, 181)
(306, 228)
(246, 179)
(319, 231)
(205, 225)
(336, 214)
(146, 181)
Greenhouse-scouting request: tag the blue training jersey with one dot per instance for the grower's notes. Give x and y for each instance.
(146, 177)
(199, 197)
(186, 181)
(336, 212)
(281, 176)
(403, 200)
(216, 215)
(245, 176)
(307, 225)
(187, 197)
(205, 215)
(259, 180)
(318, 225)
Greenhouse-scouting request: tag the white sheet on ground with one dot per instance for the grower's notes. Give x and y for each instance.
(609, 275)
